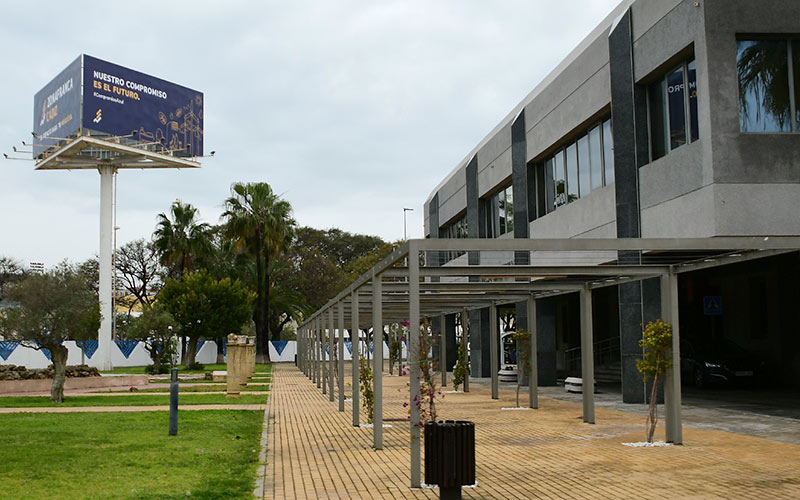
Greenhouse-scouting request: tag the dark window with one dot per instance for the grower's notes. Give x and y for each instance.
(767, 85)
(658, 122)
(670, 100)
(584, 166)
(608, 152)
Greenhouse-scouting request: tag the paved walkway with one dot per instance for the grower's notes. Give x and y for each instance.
(314, 452)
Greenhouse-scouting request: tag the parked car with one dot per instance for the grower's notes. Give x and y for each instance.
(723, 363)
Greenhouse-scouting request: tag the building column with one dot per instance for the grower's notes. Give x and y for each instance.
(451, 346)
(533, 378)
(672, 384)
(546, 341)
(104, 343)
(465, 326)
(587, 355)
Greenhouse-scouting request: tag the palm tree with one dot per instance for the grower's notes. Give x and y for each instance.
(180, 240)
(182, 243)
(260, 224)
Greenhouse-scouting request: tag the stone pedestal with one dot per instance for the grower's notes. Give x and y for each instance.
(237, 352)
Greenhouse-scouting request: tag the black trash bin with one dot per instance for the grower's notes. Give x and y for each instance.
(450, 456)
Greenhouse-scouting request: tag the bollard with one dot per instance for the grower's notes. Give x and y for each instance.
(173, 403)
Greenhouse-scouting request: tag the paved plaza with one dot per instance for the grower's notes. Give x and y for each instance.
(314, 452)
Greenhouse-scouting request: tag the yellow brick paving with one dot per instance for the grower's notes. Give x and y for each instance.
(314, 452)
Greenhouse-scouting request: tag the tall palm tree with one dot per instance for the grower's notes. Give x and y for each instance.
(180, 240)
(182, 243)
(260, 224)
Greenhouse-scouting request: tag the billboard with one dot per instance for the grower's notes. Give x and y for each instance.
(114, 100)
(57, 108)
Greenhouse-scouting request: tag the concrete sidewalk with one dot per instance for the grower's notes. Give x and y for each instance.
(314, 452)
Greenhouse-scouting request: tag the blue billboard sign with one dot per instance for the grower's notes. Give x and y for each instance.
(99, 97)
(57, 108)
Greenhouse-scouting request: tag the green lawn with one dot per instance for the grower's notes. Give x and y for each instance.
(130, 456)
(137, 400)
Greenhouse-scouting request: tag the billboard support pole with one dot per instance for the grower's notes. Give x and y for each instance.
(106, 231)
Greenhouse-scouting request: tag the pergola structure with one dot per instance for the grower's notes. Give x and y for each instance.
(108, 154)
(434, 277)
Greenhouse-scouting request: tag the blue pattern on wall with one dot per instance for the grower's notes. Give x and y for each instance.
(349, 345)
(279, 346)
(6, 348)
(47, 354)
(126, 346)
(224, 347)
(89, 347)
(199, 345)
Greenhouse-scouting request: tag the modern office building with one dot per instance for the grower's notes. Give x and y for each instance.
(673, 118)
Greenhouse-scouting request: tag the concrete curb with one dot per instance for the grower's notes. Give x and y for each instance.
(261, 475)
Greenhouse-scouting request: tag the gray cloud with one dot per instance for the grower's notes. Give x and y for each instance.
(352, 109)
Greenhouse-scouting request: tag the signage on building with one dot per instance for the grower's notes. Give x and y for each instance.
(96, 97)
(712, 305)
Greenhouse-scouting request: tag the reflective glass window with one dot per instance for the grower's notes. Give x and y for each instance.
(608, 152)
(596, 157)
(500, 203)
(691, 79)
(763, 70)
(584, 166)
(559, 180)
(509, 210)
(571, 154)
(677, 108)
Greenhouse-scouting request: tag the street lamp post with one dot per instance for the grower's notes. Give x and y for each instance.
(405, 236)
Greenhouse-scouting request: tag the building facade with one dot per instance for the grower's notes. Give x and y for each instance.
(673, 118)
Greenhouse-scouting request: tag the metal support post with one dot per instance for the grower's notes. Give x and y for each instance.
(354, 339)
(104, 344)
(587, 355)
(443, 350)
(494, 348)
(323, 342)
(320, 364)
(672, 383)
(331, 352)
(341, 356)
(413, 363)
(533, 375)
(377, 358)
(465, 331)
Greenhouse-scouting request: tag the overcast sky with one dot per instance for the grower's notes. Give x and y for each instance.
(351, 110)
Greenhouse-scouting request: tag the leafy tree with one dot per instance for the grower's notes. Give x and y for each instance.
(51, 308)
(204, 307)
(260, 224)
(181, 241)
(287, 302)
(11, 271)
(138, 271)
(461, 368)
(156, 328)
(657, 359)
